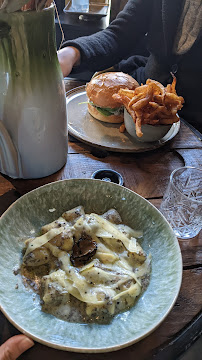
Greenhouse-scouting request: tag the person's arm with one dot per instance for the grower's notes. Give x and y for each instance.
(68, 57)
(107, 47)
(14, 347)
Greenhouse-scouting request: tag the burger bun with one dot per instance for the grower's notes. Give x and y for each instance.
(102, 87)
(100, 91)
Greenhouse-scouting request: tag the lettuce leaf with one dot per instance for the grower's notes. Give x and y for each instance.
(108, 111)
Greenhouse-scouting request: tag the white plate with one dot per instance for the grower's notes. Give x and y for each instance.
(97, 133)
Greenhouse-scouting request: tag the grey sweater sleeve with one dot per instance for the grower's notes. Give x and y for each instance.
(107, 47)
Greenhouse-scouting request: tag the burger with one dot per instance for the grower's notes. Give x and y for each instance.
(100, 90)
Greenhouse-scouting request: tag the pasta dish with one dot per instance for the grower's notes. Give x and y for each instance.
(86, 267)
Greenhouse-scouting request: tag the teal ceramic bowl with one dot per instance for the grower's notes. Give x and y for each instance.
(24, 219)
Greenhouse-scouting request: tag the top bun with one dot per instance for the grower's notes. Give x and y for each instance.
(101, 88)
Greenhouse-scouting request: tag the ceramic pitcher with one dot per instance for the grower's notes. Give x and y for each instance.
(33, 123)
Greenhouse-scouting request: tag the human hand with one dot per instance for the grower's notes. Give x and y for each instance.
(68, 57)
(14, 347)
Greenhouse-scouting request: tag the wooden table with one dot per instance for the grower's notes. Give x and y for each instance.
(147, 174)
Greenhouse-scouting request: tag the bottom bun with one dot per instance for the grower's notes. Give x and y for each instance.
(115, 119)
